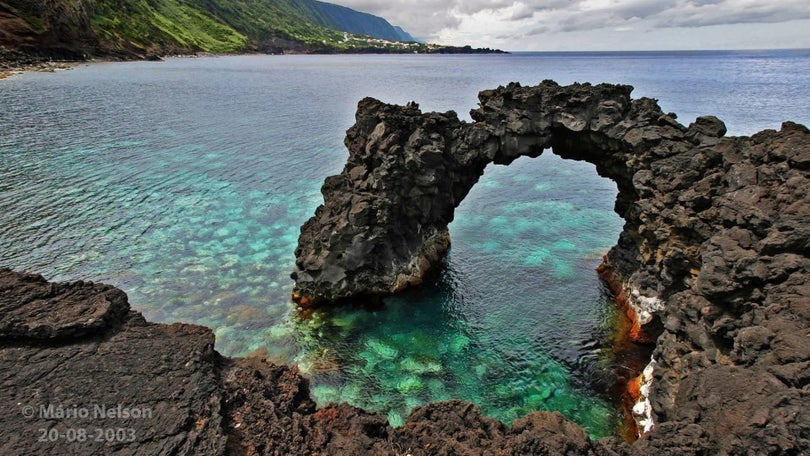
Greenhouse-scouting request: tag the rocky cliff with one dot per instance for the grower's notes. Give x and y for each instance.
(712, 264)
(35, 31)
(346, 19)
(76, 30)
(41, 28)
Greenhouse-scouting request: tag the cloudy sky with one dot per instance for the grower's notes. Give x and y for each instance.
(562, 25)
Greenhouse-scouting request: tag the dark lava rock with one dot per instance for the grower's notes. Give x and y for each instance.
(128, 387)
(178, 396)
(30, 307)
(715, 248)
(715, 251)
(85, 375)
(383, 224)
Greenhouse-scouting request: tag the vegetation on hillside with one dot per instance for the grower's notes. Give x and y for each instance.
(166, 23)
(130, 28)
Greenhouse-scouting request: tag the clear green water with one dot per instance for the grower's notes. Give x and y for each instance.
(515, 319)
(184, 183)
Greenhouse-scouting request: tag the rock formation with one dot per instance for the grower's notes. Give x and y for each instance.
(714, 252)
(66, 349)
(712, 263)
(84, 374)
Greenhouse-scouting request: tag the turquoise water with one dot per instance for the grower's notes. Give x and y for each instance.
(516, 311)
(184, 183)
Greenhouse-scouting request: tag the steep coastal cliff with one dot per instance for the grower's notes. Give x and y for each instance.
(35, 32)
(128, 28)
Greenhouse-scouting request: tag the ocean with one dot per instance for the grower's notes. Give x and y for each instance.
(185, 182)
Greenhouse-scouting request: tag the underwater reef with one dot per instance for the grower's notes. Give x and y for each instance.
(712, 267)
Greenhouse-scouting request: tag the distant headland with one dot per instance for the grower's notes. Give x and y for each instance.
(35, 34)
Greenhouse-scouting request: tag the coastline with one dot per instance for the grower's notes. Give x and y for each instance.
(23, 63)
(43, 67)
(733, 346)
(711, 266)
(70, 350)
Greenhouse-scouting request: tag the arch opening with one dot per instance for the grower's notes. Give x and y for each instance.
(383, 227)
(537, 335)
(530, 236)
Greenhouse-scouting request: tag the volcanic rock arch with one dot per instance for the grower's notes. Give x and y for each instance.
(383, 224)
(715, 242)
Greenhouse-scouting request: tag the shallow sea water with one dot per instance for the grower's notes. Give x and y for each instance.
(185, 182)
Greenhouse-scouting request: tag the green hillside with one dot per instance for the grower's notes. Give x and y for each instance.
(213, 25)
(137, 28)
(179, 24)
(265, 22)
(172, 26)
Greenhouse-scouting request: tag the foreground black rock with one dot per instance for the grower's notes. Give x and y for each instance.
(83, 374)
(712, 263)
(71, 354)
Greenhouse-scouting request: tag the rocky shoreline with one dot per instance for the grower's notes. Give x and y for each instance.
(82, 373)
(12, 63)
(712, 266)
(712, 263)
(16, 62)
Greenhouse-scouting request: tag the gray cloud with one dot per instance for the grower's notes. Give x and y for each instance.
(520, 36)
(537, 31)
(427, 18)
(522, 11)
(707, 13)
(476, 6)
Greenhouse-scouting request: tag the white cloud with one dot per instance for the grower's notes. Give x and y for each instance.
(515, 24)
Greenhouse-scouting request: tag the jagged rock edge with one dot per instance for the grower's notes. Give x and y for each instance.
(685, 193)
